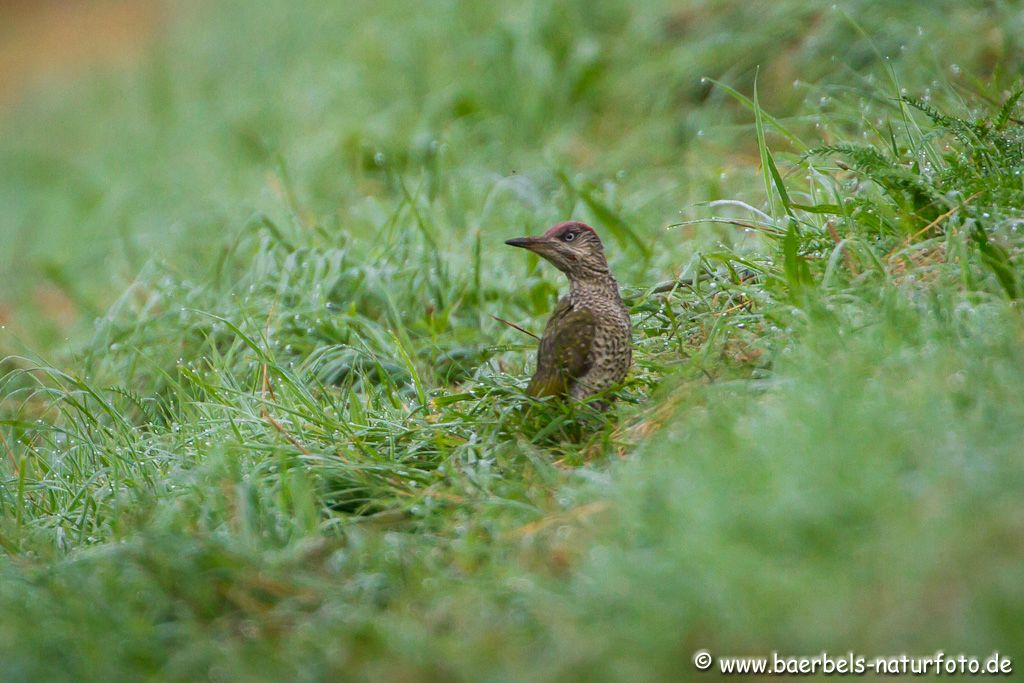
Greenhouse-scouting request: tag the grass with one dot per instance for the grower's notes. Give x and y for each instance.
(259, 422)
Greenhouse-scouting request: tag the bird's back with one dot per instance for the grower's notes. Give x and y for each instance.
(586, 347)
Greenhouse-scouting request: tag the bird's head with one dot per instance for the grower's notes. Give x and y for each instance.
(574, 248)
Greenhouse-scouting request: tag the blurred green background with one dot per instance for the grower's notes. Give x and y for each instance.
(213, 110)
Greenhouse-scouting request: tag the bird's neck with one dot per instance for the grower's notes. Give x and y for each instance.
(596, 286)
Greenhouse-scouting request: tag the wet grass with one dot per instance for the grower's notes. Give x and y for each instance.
(286, 436)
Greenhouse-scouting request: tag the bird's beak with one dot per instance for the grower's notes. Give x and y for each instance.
(535, 244)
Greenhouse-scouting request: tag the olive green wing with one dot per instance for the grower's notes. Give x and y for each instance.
(564, 352)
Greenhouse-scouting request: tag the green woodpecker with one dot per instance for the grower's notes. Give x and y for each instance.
(587, 343)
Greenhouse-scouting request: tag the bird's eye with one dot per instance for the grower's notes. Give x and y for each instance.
(569, 236)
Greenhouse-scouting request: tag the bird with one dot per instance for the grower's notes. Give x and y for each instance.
(587, 343)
